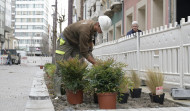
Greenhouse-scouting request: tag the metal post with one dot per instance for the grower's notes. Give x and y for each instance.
(54, 32)
(81, 11)
(70, 12)
(122, 18)
(18, 44)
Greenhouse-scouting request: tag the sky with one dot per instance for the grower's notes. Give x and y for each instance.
(62, 8)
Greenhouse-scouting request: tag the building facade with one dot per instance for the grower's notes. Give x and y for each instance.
(31, 24)
(150, 14)
(5, 23)
(2, 22)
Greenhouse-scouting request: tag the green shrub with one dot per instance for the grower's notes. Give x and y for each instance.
(106, 76)
(72, 72)
(49, 69)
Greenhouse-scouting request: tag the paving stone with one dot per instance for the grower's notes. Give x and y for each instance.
(40, 109)
(184, 108)
(15, 86)
(39, 104)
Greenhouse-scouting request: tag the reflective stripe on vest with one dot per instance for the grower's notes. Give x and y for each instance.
(61, 41)
(60, 52)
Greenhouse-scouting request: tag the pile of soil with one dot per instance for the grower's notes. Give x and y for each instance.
(61, 103)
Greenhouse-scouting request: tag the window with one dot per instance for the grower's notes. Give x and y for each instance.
(38, 13)
(30, 13)
(24, 27)
(18, 27)
(24, 20)
(18, 13)
(29, 19)
(24, 13)
(30, 27)
(38, 27)
(38, 6)
(18, 20)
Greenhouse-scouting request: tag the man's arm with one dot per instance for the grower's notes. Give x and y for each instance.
(91, 59)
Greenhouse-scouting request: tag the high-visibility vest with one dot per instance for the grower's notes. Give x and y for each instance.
(61, 42)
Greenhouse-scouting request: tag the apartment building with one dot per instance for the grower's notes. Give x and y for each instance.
(5, 23)
(2, 21)
(31, 25)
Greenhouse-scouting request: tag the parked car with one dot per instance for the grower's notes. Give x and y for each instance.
(16, 58)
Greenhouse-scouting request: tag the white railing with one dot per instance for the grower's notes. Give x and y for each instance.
(166, 49)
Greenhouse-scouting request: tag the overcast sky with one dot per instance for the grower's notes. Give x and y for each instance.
(62, 9)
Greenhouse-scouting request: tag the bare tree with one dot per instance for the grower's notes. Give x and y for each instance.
(45, 45)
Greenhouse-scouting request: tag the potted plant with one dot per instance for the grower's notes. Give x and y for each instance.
(72, 72)
(105, 77)
(41, 66)
(136, 92)
(125, 85)
(154, 81)
(49, 69)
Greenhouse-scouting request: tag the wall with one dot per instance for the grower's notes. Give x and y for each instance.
(133, 6)
(115, 19)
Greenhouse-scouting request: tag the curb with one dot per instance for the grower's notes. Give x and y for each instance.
(39, 99)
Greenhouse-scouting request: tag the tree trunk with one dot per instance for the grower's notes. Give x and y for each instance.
(81, 9)
(70, 12)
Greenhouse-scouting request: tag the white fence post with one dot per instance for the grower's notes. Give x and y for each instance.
(138, 52)
(181, 54)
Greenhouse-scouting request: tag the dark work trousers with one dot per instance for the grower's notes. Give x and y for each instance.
(70, 52)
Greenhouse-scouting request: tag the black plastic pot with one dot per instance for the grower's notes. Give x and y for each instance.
(136, 93)
(157, 98)
(63, 92)
(95, 98)
(123, 97)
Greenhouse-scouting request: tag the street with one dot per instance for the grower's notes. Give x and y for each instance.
(15, 86)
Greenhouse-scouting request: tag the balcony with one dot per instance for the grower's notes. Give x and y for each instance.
(116, 5)
(109, 12)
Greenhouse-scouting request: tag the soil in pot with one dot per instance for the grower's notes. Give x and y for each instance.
(157, 98)
(107, 100)
(136, 93)
(123, 97)
(74, 98)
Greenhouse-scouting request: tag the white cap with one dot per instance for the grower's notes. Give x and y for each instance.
(134, 22)
(105, 23)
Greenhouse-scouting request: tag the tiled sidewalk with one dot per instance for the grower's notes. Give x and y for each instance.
(15, 85)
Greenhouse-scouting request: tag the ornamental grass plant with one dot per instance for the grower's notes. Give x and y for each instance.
(154, 79)
(135, 79)
(126, 84)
